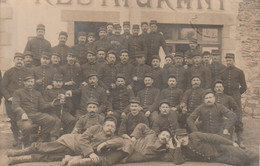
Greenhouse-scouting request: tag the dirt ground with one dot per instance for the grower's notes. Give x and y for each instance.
(251, 137)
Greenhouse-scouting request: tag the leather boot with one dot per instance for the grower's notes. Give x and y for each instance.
(19, 152)
(19, 159)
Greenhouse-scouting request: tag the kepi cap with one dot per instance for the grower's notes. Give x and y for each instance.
(63, 33)
(181, 132)
(18, 54)
(230, 55)
(40, 27)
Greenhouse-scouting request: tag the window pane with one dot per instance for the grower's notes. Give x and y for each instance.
(187, 33)
(210, 34)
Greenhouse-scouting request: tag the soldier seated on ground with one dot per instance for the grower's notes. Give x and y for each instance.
(90, 119)
(207, 147)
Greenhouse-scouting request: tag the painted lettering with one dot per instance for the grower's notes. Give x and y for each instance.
(167, 2)
(144, 4)
(185, 1)
(82, 2)
(63, 2)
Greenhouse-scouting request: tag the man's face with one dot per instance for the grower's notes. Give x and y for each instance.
(55, 59)
(168, 61)
(45, 61)
(197, 60)
(92, 109)
(216, 58)
(110, 28)
(209, 99)
(155, 63)
(101, 55)
(91, 39)
(134, 108)
(29, 83)
(109, 128)
(18, 62)
(111, 58)
(124, 57)
(126, 29)
(178, 60)
(93, 80)
(206, 59)
(71, 59)
(102, 34)
(144, 27)
(28, 59)
(164, 109)
(172, 82)
(153, 28)
(117, 31)
(62, 39)
(148, 81)
(120, 82)
(164, 137)
(57, 84)
(189, 61)
(140, 60)
(219, 88)
(91, 58)
(195, 82)
(40, 33)
(193, 46)
(230, 62)
(135, 32)
(82, 39)
(184, 140)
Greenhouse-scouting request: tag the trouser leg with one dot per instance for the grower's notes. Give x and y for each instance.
(12, 116)
(112, 157)
(26, 129)
(68, 122)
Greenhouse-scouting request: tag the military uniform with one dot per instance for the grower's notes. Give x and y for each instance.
(179, 73)
(213, 148)
(136, 44)
(127, 70)
(45, 73)
(63, 51)
(31, 102)
(211, 118)
(88, 68)
(86, 121)
(139, 72)
(13, 80)
(101, 43)
(81, 52)
(37, 46)
(117, 43)
(107, 75)
(216, 69)
(173, 95)
(159, 78)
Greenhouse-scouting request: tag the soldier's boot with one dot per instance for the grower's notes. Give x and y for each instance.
(19, 152)
(19, 159)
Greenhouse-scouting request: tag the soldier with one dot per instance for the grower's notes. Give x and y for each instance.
(64, 120)
(125, 68)
(192, 98)
(149, 99)
(28, 60)
(211, 117)
(233, 80)
(91, 41)
(27, 104)
(144, 34)
(91, 90)
(193, 47)
(44, 73)
(159, 75)
(167, 119)
(132, 119)
(102, 41)
(168, 62)
(38, 44)
(172, 93)
(136, 43)
(119, 98)
(110, 28)
(96, 140)
(216, 67)
(188, 61)
(198, 69)
(91, 64)
(92, 118)
(208, 147)
(55, 60)
(107, 72)
(101, 56)
(126, 28)
(206, 58)
(62, 49)
(139, 71)
(155, 41)
(13, 80)
(80, 48)
(230, 103)
(178, 70)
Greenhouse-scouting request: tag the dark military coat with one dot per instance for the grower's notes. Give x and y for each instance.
(63, 51)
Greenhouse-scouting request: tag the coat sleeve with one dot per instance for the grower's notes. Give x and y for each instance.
(78, 128)
(242, 82)
(16, 104)
(235, 108)
(4, 86)
(228, 114)
(211, 138)
(28, 46)
(141, 130)
(43, 104)
(156, 126)
(191, 119)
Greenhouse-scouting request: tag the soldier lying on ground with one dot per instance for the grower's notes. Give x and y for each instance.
(97, 139)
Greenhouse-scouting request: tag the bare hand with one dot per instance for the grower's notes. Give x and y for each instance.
(133, 139)
(84, 83)
(100, 146)
(24, 116)
(174, 109)
(113, 86)
(235, 144)
(147, 113)
(184, 110)
(135, 78)
(10, 99)
(68, 93)
(107, 92)
(126, 136)
(94, 157)
(225, 132)
(69, 83)
(129, 87)
(49, 87)
(123, 115)
(177, 141)
(39, 81)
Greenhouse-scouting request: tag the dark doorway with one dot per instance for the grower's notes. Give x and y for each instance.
(87, 27)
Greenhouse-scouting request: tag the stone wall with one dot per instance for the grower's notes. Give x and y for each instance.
(248, 37)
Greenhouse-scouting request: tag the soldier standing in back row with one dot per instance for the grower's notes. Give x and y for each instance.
(80, 48)
(126, 28)
(216, 67)
(102, 41)
(38, 44)
(155, 41)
